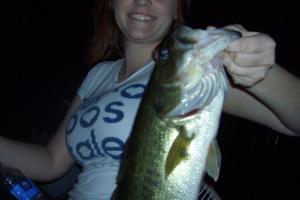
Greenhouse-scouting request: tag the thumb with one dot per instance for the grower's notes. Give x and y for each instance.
(210, 28)
(226, 59)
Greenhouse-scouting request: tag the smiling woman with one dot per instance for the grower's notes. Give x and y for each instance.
(145, 22)
(127, 35)
(107, 41)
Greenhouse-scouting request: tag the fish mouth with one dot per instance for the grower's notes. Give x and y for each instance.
(200, 80)
(199, 74)
(189, 114)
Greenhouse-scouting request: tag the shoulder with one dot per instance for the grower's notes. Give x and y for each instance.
(99, 78)
(103, 68)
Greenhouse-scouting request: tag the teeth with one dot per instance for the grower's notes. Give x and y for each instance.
(141, 17)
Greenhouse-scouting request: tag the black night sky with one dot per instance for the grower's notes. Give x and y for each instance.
(42, 45)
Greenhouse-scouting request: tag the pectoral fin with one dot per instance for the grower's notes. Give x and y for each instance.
(213, 163)
(178, 151)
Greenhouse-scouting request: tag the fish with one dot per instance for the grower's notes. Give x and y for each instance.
(178, 118)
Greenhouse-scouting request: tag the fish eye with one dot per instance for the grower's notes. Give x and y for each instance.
(164, 54)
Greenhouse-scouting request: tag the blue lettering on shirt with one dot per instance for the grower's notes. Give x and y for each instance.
(87, 102)
(89, 117)
(86, 147)
(96, 144)
(133, 91)
(111, 112)
(72, 124)
(119, 115)
(113, 147)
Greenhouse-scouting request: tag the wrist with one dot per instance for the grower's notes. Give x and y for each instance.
(266, 83)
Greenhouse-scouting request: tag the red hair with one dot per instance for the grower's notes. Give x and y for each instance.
(106, 41)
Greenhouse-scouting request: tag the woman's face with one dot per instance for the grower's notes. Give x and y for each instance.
(144, 21)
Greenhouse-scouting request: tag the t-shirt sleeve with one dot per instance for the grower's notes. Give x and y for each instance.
(90, 80)
(85, 85)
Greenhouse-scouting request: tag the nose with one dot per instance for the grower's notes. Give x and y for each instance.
(143, 2)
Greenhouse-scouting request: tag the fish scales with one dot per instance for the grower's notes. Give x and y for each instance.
(177, 120)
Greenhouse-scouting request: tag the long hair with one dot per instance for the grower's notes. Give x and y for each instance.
(106, 41)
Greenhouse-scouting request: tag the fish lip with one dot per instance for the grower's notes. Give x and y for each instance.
(183, 116)
(190, 113)
(141, 16)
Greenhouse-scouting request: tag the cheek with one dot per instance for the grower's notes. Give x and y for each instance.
(118, 13)
(170, 10)
(119, 21)
(119, 5)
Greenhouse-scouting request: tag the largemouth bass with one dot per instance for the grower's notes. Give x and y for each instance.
(178, 118)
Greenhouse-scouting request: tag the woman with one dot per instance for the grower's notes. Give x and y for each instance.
(99, 120)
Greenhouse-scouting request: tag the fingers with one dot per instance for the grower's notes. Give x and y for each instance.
(240, 28)
(252, 43)
(252, 59)
(245, 76)
(236, 27)
(210, 28)
(248, 59)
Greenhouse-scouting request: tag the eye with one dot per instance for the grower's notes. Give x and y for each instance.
(164, 54)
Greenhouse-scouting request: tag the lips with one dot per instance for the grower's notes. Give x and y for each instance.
(141, 17)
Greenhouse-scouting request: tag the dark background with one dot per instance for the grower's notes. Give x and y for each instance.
(42, 45)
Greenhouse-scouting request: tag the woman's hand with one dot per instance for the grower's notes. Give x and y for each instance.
(248, 59)
(272, 97)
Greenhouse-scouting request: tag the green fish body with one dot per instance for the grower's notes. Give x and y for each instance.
(166, 153)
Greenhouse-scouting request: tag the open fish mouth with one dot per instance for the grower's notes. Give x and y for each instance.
(190, 113)
(196, 75)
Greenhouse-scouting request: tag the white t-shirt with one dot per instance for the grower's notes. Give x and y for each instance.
(98, 130)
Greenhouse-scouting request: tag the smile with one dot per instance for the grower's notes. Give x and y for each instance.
(141, 17)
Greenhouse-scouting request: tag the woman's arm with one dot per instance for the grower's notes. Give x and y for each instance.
(262, 91)
(43, 163)
(277, 107)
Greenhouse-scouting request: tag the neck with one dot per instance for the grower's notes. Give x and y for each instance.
(136, 56)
